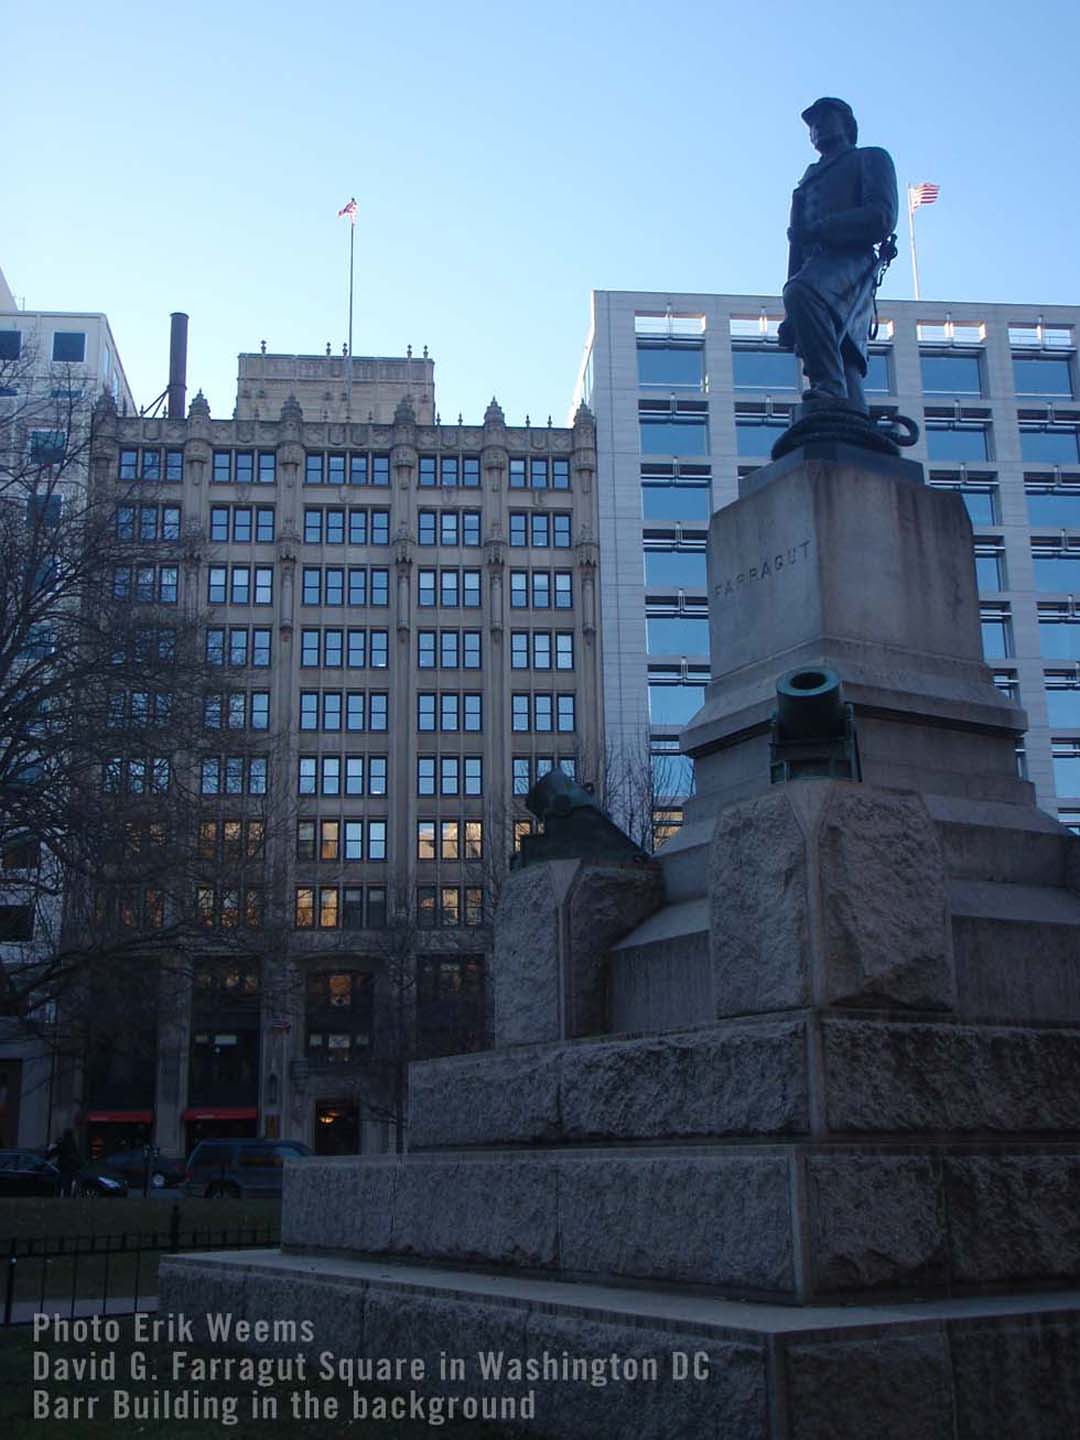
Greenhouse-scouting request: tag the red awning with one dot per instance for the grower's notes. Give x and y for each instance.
(241, 1112)
(120, 1117)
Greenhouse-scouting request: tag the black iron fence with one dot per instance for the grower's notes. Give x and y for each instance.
(86, 1275)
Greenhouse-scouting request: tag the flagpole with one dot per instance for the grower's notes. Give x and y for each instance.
(352, 248)
(911, 232)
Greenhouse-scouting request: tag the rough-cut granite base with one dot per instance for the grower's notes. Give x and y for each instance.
(946, 1370)
(795, 1221)
(829, 894)
(752, 1079)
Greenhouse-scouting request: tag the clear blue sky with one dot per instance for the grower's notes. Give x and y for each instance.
(507, 158)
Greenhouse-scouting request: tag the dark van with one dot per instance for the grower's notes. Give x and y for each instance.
(241, 1169)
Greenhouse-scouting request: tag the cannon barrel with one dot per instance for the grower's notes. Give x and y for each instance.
(809, 705)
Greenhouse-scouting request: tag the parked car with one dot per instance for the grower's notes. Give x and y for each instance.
(130, 1165)
(89, 1181)
(22, 1172)
(243, 1169)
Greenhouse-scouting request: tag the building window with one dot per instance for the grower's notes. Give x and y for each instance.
(990, 567)
(1055, 568)
(959, 443)
(996, 625)
(1049, 444)
(1042, 377)
(768, 370)
(1065, 758)
(234, 775)
(672, 773)
(676, 635)
(69, 347)
(980, 501)
(673, 433)
(1059, 633)
(755, 437)
(1063, 700)
(669, 571)
(676, 502)
(951, 374)
(450, 1004)
(671, 365)
(1058, 506)
(674, 704)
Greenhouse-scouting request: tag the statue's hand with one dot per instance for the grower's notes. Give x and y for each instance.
(806, 235)
(785, 335)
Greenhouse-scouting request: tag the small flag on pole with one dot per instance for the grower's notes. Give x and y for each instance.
(349, 210)
(924, 194)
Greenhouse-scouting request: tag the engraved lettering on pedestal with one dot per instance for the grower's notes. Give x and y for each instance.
(769, 566)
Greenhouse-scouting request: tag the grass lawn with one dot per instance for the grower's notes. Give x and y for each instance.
(17, 1386)
(201, 1221)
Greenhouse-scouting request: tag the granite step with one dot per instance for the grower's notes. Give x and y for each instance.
(684, 859)
(1017, 844)
(796, 1222)
(1017, 952)
(994, 1365)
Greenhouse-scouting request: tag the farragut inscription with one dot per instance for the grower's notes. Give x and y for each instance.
(768, 566)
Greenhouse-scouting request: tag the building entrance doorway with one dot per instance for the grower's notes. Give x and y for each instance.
(337, 1128)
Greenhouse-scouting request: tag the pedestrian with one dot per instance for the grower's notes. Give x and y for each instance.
(69, 1161)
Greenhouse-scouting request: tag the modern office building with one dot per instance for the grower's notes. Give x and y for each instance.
(690, 391)
(406, 613)
(52, 366)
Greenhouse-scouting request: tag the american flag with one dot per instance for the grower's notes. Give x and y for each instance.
(349, 210)
(924, 194)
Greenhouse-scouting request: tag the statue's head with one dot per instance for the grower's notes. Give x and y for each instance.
(828, 118)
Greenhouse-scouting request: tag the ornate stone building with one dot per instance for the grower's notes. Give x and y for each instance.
(406, 613)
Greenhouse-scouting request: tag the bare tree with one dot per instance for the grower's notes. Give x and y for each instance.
(129, 852)
(639, 784)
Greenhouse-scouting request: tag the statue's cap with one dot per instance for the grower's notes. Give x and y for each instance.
(828, 102)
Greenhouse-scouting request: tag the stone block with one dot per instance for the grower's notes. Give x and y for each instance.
(1013, 1217)
(891, 1387)
(526, 970)
(731, 1080)
(723, 1080)
(501, 1211)
(760, 918)
(885, 912)
(339, 1203)
(662, 985)
(829, 893)
(732, 1400)
(719, 1219)
(554, 926)
(1017, 1375)
(604, 904)
(432, 1326)
(958, 1079)
(507, 1096)
(875, 1222)
(1017, 970)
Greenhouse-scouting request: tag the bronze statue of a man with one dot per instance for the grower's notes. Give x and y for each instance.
(842, 208)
